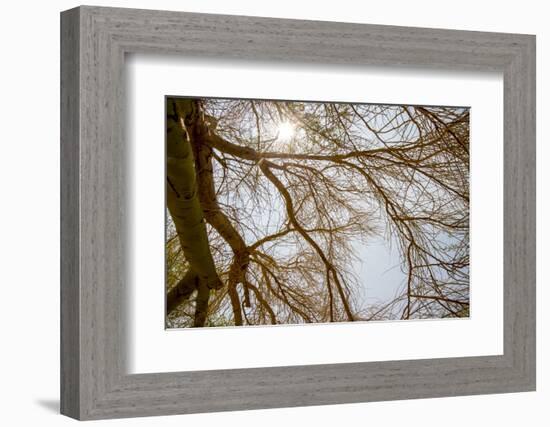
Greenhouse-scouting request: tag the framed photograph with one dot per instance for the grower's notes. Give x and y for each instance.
(278, 213)
(290, 203)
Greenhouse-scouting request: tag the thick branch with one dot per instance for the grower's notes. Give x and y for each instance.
(213, 213)
(201, 305)
(182, 291)
(182, 198)
(248, 153)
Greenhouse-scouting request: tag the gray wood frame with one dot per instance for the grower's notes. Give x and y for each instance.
(94, 41)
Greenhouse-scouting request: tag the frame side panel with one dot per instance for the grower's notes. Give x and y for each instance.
(520, 215)
(70, 215)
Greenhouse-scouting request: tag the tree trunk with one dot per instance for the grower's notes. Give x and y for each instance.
(183, 202)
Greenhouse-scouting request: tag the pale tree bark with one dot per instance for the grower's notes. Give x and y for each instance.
(186, 212)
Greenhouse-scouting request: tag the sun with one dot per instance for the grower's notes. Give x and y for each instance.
(285, 131)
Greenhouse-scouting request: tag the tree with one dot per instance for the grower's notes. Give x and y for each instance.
(265, 198)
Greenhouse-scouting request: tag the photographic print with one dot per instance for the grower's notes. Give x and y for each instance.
(293, 212)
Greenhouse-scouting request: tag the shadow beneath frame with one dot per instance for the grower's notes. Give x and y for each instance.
(52, 405)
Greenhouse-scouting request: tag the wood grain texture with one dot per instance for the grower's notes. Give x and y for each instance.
(70, 315)
(95, 236)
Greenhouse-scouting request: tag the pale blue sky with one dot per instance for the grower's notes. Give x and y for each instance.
(378, 269)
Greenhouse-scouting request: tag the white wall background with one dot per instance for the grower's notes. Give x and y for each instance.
(29, 217)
